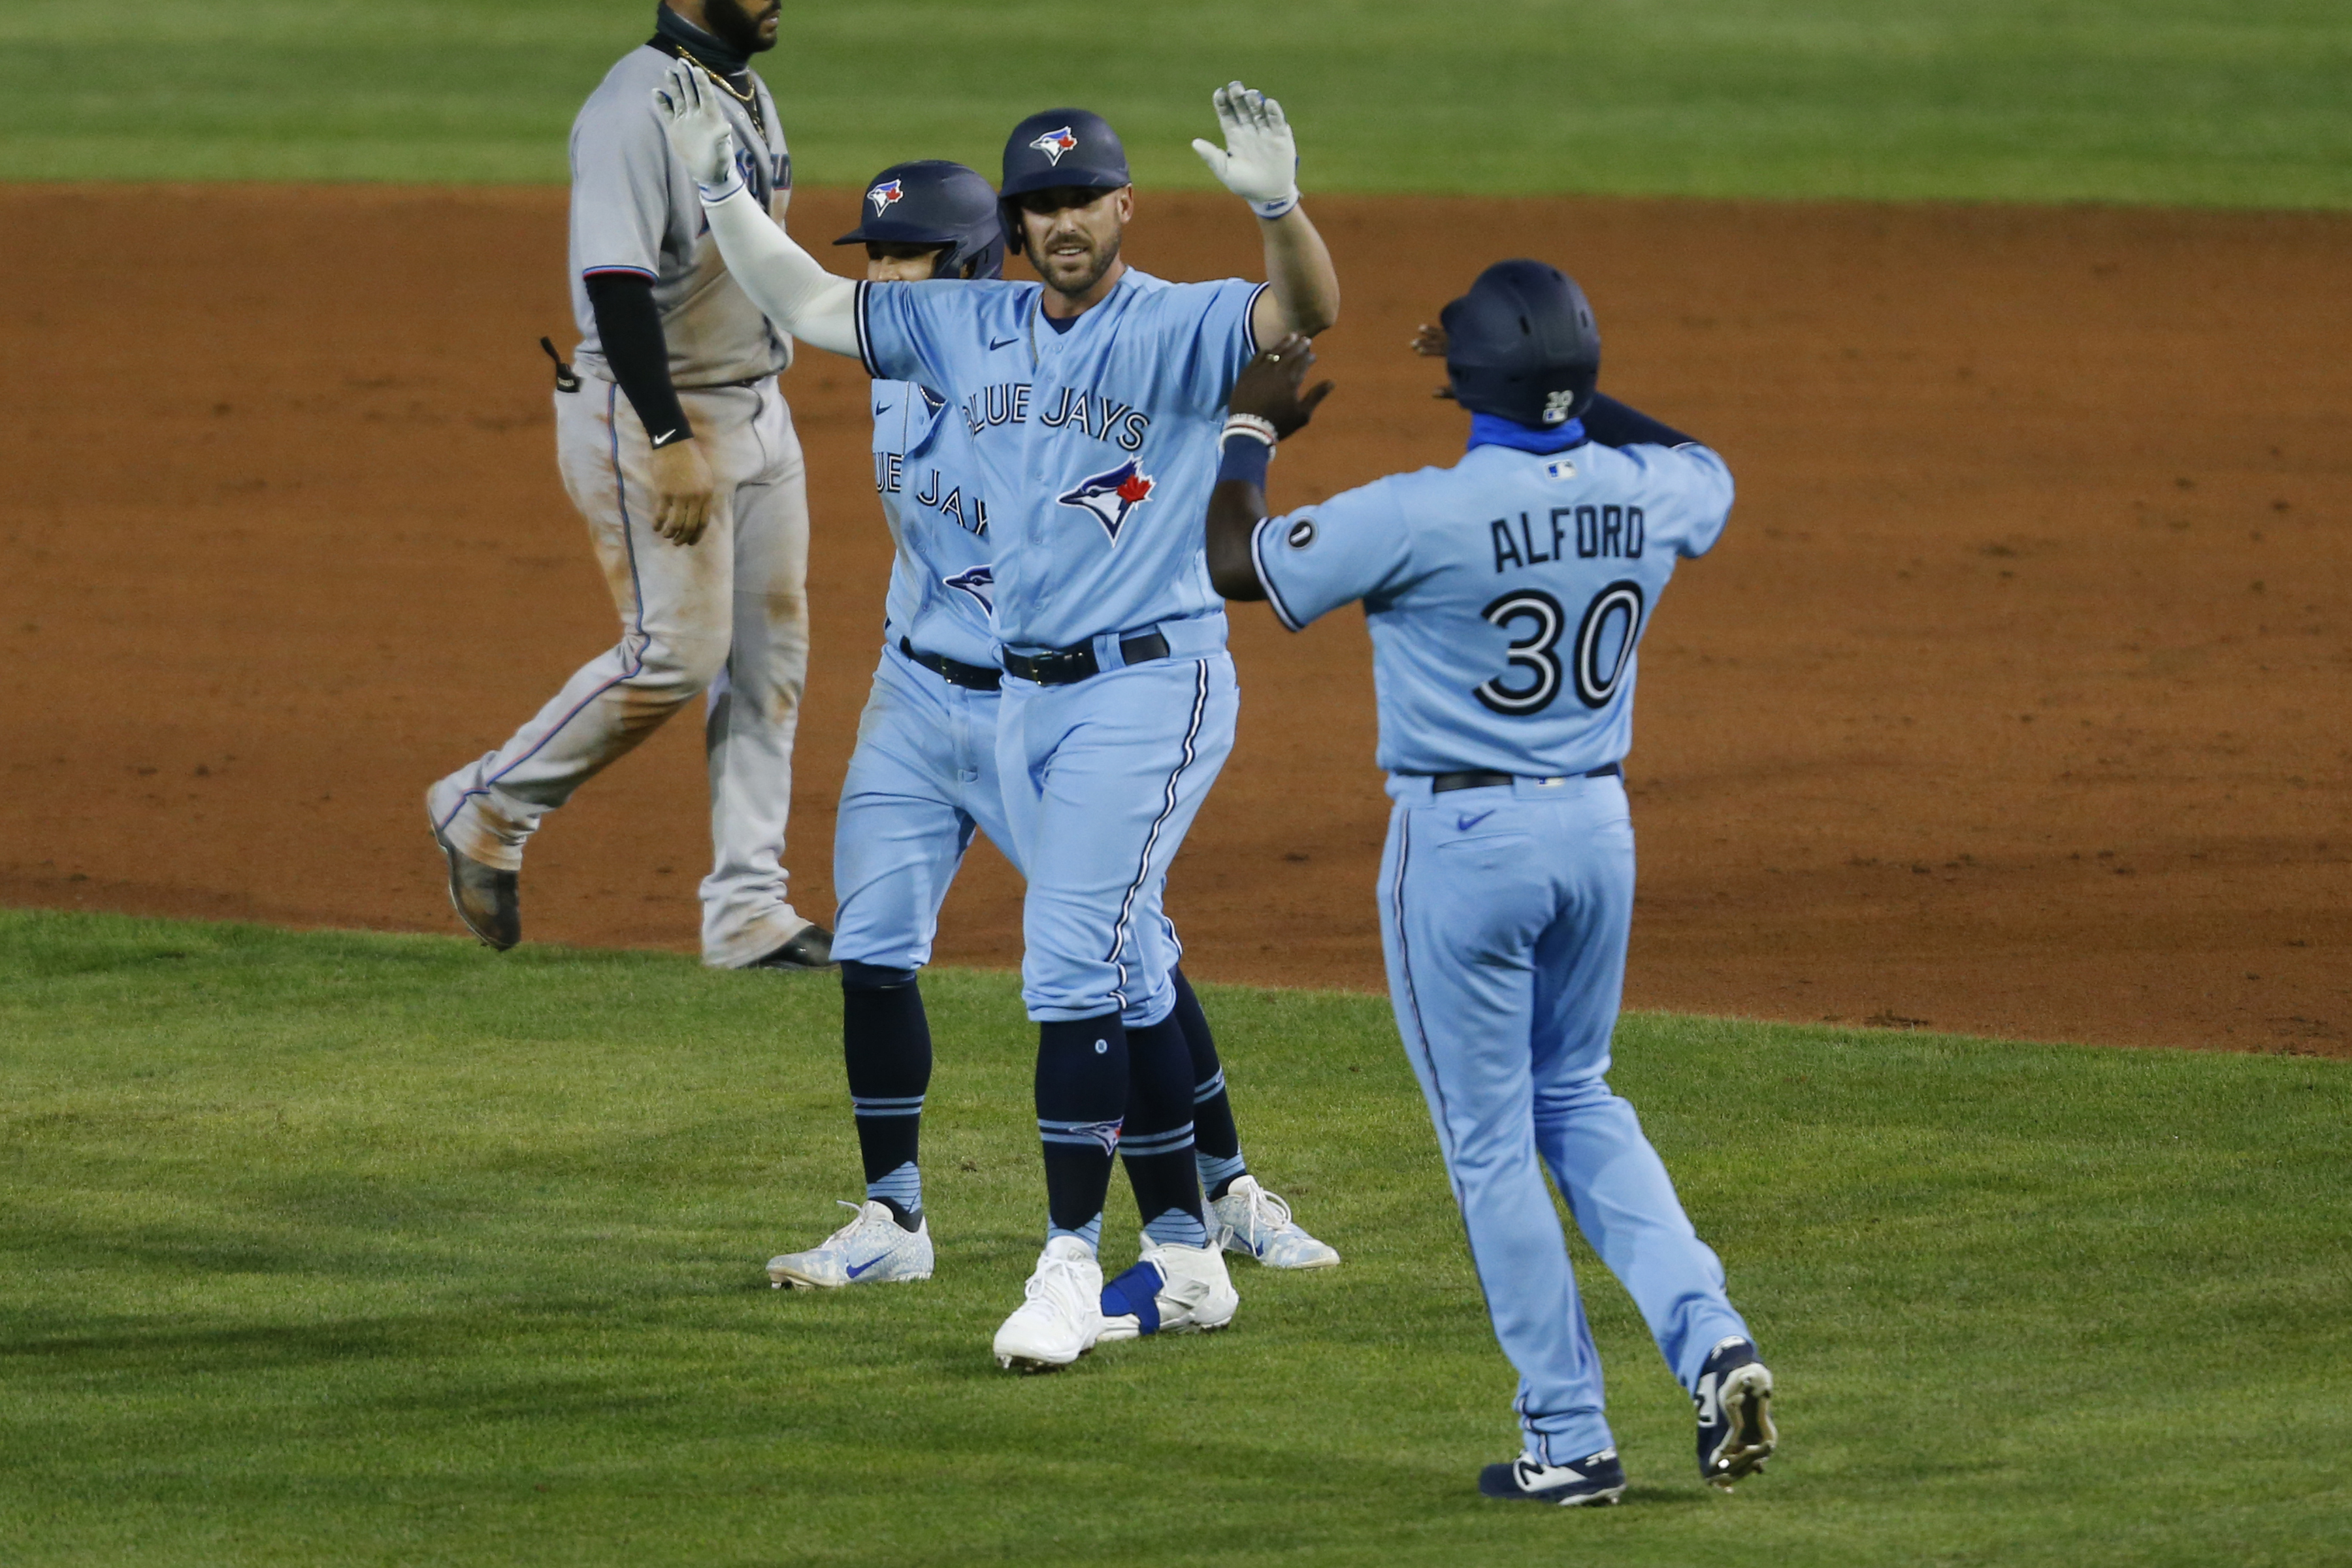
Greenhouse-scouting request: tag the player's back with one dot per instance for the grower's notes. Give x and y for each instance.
(1506, 594)
(941, 588)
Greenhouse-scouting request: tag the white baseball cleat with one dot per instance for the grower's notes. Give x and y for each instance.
(871, 1249)
(1259, 1223)
(1062, 1315)
(1171, 1291)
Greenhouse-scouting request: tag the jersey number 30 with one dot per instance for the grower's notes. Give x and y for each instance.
(1610, 626)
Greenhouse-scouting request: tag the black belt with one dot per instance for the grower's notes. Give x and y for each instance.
(1480, 778)
(954, 671)
(1064, 664)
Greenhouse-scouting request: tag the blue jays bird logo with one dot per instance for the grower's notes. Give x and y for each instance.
(1112, 495)
(883, 195)
(1054, 143)
(980, 582)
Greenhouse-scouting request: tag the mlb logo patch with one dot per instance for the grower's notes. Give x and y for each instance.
(1054, 143)
(883, 195)
(1560, 468)
(1556, 407)
(1112, 495)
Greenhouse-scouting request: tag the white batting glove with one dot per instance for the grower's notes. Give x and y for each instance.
(688, 111)
(1259, 161)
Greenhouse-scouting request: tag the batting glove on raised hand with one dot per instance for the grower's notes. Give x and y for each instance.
(688, 111)
(1259, 161)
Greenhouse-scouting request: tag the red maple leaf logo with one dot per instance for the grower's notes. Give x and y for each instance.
(1135, 488)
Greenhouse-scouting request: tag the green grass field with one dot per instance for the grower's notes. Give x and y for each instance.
(2235, 102)
(379, 1249)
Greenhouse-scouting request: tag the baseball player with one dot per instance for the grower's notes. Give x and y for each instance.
(1506, 597)
(676, 446)
(923, 780)
(1092, 404)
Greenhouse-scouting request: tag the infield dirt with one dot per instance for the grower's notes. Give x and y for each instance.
(2014, 701)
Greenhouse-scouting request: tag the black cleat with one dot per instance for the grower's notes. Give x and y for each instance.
(1734, 1397)
(1594, 1481)
(490, 902)
(811, 948)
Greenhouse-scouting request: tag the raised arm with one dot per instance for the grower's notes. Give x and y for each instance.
(1267, 406)
(781, 278)
(1259, 164)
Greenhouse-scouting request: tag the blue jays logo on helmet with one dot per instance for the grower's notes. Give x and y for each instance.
(1054, 143)
(1113, 494)
(883, 195)
(980, 582)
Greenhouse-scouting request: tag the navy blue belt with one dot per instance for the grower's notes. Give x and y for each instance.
(1066, 665)
(954, 671)
(1479, 778)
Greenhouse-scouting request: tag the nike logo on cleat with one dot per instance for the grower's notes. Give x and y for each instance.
(859, 1268)
(996, 343)
(1465, 822)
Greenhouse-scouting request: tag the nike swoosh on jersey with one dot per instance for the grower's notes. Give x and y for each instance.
(996, 343)
(1465, 822)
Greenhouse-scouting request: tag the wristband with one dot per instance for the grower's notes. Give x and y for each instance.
(1243, 461)
(713, 195)
(1270, 210)
(1255, 427)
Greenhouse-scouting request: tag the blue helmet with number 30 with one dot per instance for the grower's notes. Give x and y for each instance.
(1522, 344)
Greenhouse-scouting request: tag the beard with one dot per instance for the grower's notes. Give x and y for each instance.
(1077, 274)
(738, 24)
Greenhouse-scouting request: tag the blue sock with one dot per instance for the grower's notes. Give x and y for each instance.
(1081, 1092)
(887, 1046)
(902, 1190)
(1157, 1145)
(1217, 1174)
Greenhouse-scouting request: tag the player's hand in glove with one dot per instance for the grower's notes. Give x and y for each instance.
(689, 110)
(1259, 161)
(1267, 387)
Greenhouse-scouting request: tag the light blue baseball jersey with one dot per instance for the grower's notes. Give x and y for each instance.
(1506, 594)
(1097, 446)
(941, 583)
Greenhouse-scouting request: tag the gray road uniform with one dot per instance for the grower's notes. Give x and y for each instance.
(727, 614)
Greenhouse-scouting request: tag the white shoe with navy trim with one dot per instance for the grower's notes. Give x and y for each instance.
(1733, 1399)
(1595, 1480)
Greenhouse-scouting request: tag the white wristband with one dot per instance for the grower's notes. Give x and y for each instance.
(1252, 426)
(713, 195)
(1270, 210)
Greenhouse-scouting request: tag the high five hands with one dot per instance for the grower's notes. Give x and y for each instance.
(1268, 386)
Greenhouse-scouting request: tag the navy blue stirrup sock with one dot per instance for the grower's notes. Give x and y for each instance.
(1157, 1144)
(1082, 1072)
(1218, 1152)
(885, 1042)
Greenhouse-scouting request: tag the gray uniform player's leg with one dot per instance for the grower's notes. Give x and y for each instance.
(756, 703)
(678, 619)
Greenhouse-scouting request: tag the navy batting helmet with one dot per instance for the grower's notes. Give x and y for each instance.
(1060, 147)
(1522, 344)
(934, 202)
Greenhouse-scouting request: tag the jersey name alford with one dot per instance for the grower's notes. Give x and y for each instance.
(1615, 532)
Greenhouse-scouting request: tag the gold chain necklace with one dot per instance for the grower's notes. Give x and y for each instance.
(749, 98)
